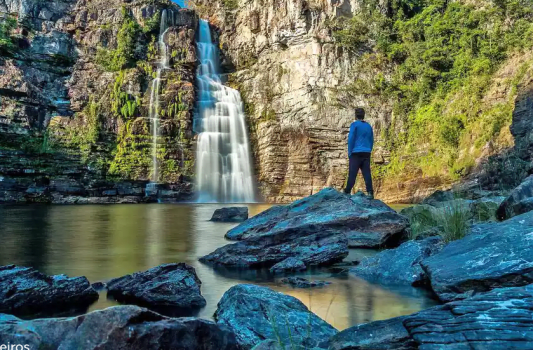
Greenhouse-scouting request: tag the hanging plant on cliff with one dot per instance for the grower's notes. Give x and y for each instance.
(7, 26)
(123, 104)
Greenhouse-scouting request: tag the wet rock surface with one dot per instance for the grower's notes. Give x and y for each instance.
(256, 313)
(401, 265)
(494, 255)
(120, 327)
(299, 282)
(366, 223)
(27, 292)
(519, 201)
(172, 289)
(233, 214)
(288, 265)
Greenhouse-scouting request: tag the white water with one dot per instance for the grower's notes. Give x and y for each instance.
(154, 96)
(223, 162)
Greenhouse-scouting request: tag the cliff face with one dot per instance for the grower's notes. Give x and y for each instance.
(76, 91)
(297, 82)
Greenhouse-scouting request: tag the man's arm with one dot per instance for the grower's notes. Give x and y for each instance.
(372, 138)
(351, 139)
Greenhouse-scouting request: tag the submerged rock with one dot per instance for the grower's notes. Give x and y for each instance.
(379, 335)
(492, 256)
(299, 282)
(366, 223)
(519, 202)
(167, 287)
(233, 214)
(288, 265)
(256, 313)
(401, 265)
(120, 327)
(26, 291)
(500, 319)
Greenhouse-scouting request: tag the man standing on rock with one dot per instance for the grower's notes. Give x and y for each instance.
(360, 145)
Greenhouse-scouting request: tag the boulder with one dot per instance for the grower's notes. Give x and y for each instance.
(298, 282)
(321, 248)
(400, 266)
(288, 265)
(367, 223)
(378, 335)
(494, 255)
(170, 288)
(501, 319)
(519, 201)
(26, 291)
(484, 209)
(120, 327)
(257, 313)
(270, 344)
(439, 196)
(233, 214)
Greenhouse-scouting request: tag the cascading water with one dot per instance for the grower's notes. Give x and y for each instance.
(224, 172)
(154, 96)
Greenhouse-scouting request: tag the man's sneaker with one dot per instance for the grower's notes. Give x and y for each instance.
(370, 195)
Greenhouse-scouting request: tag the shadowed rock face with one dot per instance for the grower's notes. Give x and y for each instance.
(366, 223)
(256, 313)
(233, 214)
(288, 265)
(299, 282)
(519, 202)
(492, 256)
(171, 287)
(401, 265)
(26, 291)
(121, 328)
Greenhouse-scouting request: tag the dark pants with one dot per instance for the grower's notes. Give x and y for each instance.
(359, 161)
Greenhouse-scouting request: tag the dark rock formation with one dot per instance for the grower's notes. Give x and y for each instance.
(233, 214)
(298, 282)
(501, 319)
(401, 265)
(366, 223)
(171, 288)
(520, 201)
(120, 327)
(438, 197)
(256, 313)
(493, 255)
(26, 291)
(379, 335)
(288, 265)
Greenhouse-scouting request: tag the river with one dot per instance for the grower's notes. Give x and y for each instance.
(106, 241)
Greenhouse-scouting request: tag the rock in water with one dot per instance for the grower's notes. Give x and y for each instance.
(379, 335)
(492, 256)
(520, 201)
(298, 282)
(120, 327)
(439, 196)
(256, 313)
(233, 214)
(366, 223)
(167, 287)
(26, 291)
(501, 319)
(401, 265)
(288, 265)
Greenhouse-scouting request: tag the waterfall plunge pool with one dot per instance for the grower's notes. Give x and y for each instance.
(106, 241)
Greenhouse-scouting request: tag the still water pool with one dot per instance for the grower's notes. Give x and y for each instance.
(103, 242)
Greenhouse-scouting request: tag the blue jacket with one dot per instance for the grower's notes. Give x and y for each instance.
(361, 138)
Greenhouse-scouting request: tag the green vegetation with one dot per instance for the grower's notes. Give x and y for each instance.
(124, 55)
(7, 26)
(451, 222)
(434, 61)
(123, 104)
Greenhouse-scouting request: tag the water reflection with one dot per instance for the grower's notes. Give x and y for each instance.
(102, 242)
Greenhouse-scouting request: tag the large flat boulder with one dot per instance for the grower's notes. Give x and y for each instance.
(172, 286)
(492, 256)
(257, 313)
(232, 214)
(400, 266)
(120, 327)
(26, 291)
(497, 320)
(367, 223)
(519, 201)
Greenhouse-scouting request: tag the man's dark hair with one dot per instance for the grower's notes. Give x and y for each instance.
(360, 113)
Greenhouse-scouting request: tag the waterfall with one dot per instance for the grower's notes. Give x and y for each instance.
(223, 162)
(154, 96)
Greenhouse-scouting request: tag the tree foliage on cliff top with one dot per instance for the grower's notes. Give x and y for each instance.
(440, 58)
